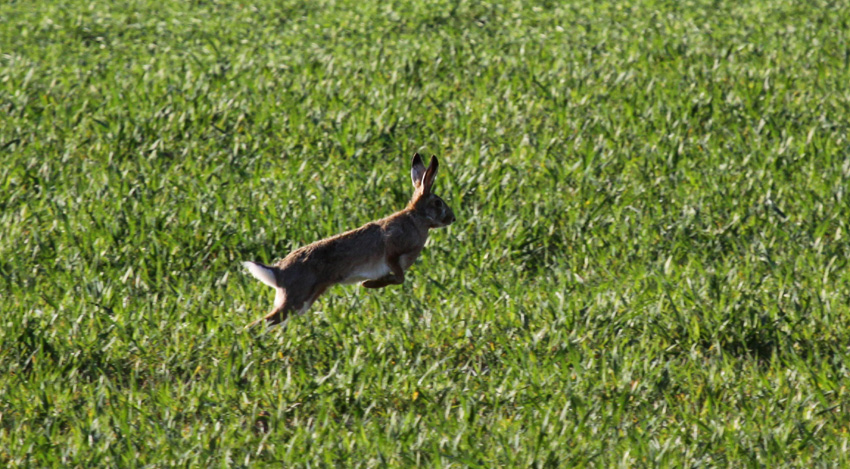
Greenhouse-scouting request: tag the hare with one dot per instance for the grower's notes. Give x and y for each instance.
(376, 254)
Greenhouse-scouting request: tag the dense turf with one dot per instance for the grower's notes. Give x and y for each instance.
(649, 264)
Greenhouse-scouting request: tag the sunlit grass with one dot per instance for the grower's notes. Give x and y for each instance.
(649, 265)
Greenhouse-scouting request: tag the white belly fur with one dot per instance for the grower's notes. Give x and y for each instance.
(372, 271)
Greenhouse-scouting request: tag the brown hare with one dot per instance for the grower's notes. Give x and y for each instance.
(376, 254)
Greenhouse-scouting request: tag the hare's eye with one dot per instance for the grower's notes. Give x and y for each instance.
(438, 203)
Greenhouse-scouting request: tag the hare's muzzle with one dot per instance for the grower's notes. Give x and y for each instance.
(448, 218)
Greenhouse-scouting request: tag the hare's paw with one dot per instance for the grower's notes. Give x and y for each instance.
(383, 282)
(380, 283)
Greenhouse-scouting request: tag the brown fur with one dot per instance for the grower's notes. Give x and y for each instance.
(378, 252)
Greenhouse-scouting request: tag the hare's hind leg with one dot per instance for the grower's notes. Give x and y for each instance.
(395, 277)
(287, 303)
(280, 309)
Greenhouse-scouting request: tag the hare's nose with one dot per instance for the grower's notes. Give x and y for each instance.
(453, 218)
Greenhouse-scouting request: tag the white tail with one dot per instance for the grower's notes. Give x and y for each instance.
(261, 273)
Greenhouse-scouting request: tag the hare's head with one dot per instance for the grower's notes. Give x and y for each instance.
(425, 203)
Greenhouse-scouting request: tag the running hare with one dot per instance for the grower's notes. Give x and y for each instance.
(376, 254)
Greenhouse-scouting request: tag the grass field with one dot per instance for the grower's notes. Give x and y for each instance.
(649, 266)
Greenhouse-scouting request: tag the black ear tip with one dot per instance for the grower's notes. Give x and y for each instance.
(416, 158)
(433, 159)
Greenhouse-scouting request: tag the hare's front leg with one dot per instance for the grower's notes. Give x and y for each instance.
(396, 277)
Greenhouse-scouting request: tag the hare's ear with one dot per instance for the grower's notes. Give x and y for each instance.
(417, 170)
(430, 174)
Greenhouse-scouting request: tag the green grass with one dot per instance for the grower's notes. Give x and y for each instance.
(649, 265)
